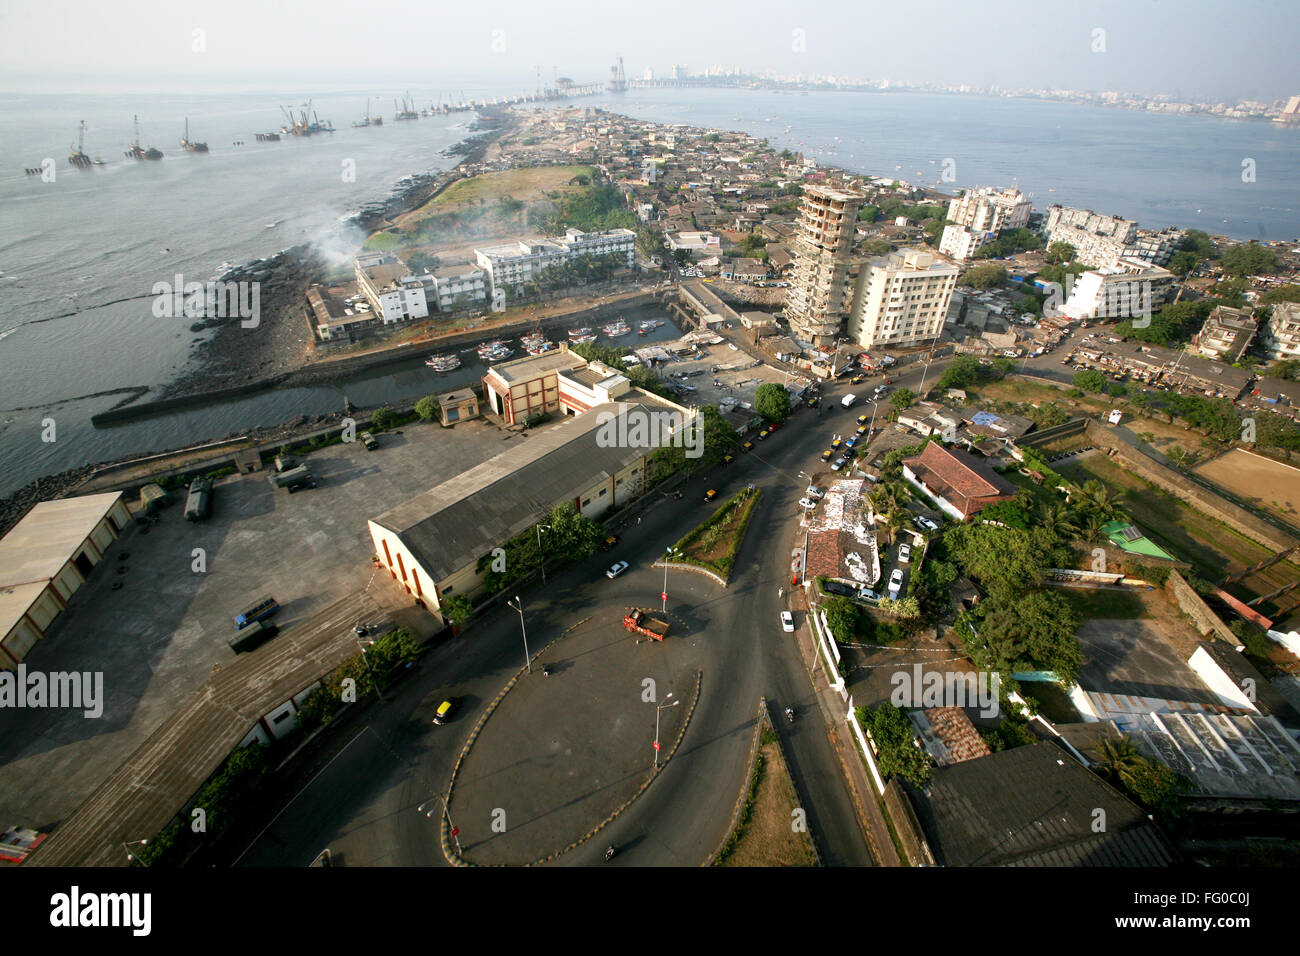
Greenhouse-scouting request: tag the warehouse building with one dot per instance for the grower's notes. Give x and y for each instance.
(432, 543)
(45, 559)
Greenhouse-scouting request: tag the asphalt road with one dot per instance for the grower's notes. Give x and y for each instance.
(362, 802)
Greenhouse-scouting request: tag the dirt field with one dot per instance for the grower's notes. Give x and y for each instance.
(768, 838)
(1213, 547)
(1268, 484)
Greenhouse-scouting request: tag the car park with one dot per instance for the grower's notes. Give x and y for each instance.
(617, 569)
(904, 553)
(895, 582)
(787, 622)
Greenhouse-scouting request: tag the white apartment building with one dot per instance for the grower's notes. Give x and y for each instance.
(901, 299)
(1130, 289)
(393, 293)
(990, 210)
(459, 286)
(961, 243)
(1281, 338)
(514, 263)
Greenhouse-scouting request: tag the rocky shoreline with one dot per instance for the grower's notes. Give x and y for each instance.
(281, 342)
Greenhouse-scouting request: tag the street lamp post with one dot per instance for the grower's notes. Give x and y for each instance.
(664, 706)
(130, 857)
(455, 832)
(540, 558)
(668, 553)
(358, 632)
(518, 606)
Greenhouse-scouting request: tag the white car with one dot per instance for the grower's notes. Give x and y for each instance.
(812, 491)
(837, 464)
(733, 346)
(617, 569)
(923, 522)
(807, 503)
(895, 582)
(787, 622)
(904, 554)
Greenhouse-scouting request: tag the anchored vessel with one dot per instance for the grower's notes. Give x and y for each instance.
(190, 144)
(137, 151)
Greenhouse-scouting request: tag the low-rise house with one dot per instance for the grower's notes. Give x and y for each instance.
(458, 406)
(960, 485)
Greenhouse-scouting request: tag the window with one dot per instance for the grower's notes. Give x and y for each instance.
(602, 493)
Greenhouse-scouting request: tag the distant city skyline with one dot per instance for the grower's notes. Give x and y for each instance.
(1194, 50)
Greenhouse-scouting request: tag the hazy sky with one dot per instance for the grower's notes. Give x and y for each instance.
(1190, 48)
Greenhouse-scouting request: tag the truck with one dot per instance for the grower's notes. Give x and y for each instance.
(152, 498)
(643, 622)
(252, 636)
(294, 478)
(199, 503)
(259, 610)
(848, 400)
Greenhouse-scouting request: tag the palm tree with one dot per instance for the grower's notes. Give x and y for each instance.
(1091, 529)
(1056, 519)
(1120, 759)
(893, 523)
(1098, 498)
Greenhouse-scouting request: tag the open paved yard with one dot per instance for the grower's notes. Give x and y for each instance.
(163, 632)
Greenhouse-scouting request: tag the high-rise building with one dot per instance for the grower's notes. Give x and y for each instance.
(901, 299)
(990, 210)
(819, 290)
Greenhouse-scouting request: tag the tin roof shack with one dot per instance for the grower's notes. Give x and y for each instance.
(45, 558)
(841, 542)
(960, 485)
(1032, 806)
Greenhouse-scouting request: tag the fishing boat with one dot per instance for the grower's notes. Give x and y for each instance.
(585, 337)
(576, 333)
(498, 354)
(537, 344)
(648, 326)
(615, 329)
(443, 363)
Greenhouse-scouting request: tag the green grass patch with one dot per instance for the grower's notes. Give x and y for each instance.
(714, 542)
(1104, 604)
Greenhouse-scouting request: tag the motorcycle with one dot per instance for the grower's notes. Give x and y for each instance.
(789, 714)
(609, 853)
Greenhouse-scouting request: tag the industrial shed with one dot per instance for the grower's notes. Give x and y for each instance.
(44, 560)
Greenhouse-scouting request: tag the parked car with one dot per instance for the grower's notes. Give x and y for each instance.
(812, 491)
(921, 521)
(807, 503)
(857, 380)
(609, 542)
(838, 463)
(863, 419)
(617, 569)
(895, 582)
(710, 494)
(827, 455)
(728, 459)
(905, 553)
(836, 587)
(762, 435)
(748, 446)
(787, 622)
(866, 594)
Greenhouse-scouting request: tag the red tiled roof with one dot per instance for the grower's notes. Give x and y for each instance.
(964, 481)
